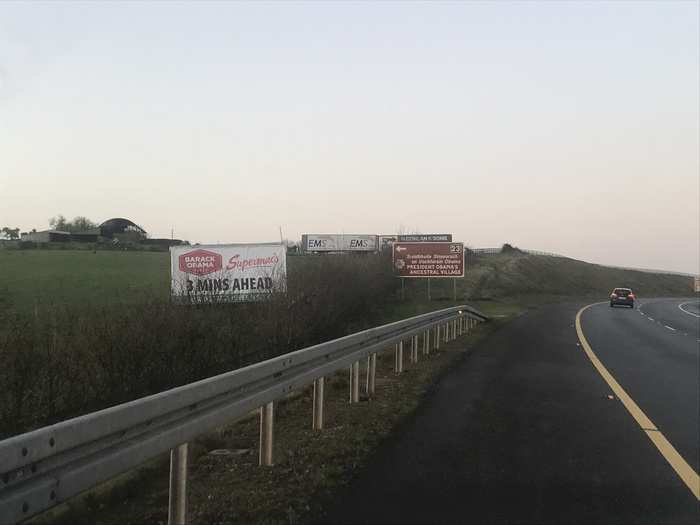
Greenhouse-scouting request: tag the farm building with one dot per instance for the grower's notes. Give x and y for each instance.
(116, 231)
(87, 236)
(46, 236)
(119, 227)
(60, 236)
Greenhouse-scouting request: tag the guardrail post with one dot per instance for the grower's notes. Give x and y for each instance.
(437, 337)
(447, 332)
(317, 419)
(398, 353)
(371, 373)
(414, 348)
(267, 428)
(177, 504)
(426, 342)
(355, 382)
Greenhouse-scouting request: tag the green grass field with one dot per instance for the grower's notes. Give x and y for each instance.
(42, 278)
(58, 277)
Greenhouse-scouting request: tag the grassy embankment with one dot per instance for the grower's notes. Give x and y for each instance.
(54, 277)
(310, 466)
(522, 276)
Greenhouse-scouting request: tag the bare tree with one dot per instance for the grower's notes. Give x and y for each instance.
(58, 222)
(78, 224)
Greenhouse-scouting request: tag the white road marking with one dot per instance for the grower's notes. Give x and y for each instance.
(651, 318)
(670, 327)
(680, 306)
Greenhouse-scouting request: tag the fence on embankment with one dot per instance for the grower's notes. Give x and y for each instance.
(45, 467)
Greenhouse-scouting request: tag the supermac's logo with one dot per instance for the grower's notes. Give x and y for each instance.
(200, 262)
(236, 263)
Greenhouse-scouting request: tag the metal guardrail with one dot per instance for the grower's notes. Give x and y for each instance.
(42, 468)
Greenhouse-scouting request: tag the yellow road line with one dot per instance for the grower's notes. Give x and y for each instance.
(684, 471)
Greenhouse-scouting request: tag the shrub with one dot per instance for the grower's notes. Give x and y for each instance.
(61, 362)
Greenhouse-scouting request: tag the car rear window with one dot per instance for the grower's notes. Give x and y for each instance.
(622, 291)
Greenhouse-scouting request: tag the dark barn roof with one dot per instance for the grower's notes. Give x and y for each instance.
(119, 225)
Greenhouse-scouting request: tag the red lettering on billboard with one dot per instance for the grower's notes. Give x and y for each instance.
(236, 263)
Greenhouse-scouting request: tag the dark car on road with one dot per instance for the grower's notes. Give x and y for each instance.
(623, 296)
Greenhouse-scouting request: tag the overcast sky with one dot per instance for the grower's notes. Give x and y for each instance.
(571, 127)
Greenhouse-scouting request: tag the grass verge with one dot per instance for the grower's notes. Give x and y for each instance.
(310, 466)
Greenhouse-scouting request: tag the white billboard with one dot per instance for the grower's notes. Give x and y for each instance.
(342, 242)
(227, 272)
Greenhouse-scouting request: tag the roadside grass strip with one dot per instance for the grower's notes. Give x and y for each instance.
(682, 468)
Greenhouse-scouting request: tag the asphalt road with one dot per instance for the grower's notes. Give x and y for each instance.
(653, 353)
(525, 429)
(680, 314)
